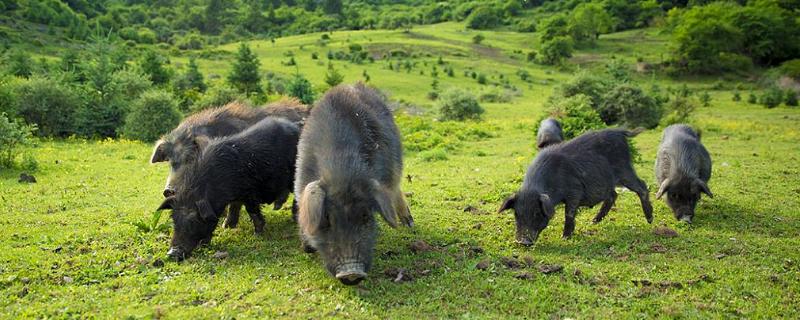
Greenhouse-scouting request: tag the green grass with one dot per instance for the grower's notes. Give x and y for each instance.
(69, 246)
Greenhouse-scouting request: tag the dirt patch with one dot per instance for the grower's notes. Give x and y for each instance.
(420, 246)
(658, 248)
(474, 210)
(26, 178)
(665, 232)
(482, 265)
(550, 268)
(398, 275)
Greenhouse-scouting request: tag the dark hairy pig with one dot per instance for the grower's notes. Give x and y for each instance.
(683, 168)
(581, 172)
(349, 166)
(252, 167)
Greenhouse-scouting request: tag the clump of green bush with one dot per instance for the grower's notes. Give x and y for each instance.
(629, 105)
(421, 134)
(575, 114)
(458, 104)
(14, 134)
(152, 115)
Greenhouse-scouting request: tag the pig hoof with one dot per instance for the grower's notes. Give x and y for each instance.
(687, 219)
(525, 242)
(351, 278)
(176, 254)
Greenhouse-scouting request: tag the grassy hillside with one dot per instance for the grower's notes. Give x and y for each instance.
(68, 246)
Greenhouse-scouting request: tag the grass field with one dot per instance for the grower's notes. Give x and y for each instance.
(69, 247)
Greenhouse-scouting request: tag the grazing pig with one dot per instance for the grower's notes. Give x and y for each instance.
(683, 168)
(182, 146)
(580, 172)
(252, 167)
(549, 133)
(349, 165)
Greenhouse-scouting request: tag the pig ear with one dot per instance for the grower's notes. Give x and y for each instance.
(311, 215)
(703, 187)
(159, 152)
(547, 205)
(169, 203)
(384, 200)
(508, 203)
(201, 142)
(663, 188)
(205, 210)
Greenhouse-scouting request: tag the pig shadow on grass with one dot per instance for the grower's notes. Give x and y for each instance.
(724, 215)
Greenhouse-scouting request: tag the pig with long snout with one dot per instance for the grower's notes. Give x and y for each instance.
(581, 172)
(349, 166)
(253, 167)
(183, 145)
(683, 168)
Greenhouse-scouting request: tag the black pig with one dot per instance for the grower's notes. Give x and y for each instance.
(549, 133)
(580, 172)
(183, 145)
(252, 167)
(683, 168)
(349, 166)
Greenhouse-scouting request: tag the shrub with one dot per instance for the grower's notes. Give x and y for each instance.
(736, 96)
(555, 51)
(216, 96)
(752, 99)
(587, 84)
(629, 105)
(333, 77)
(575, 114)
(771, 98)
(49, 104)
(791, 98)
(791, 68)
(458, 104)
(103, 113)
(482, 78)
(300, 88)
(679, 111)
(192, 41)
(152, 115)
(705, 99)
(497, 95)
(484, 17)
(13, 134)
(478, 38)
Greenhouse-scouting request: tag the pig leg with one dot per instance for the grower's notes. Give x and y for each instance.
(606, 207)
(570, 209)
(254, 210)
(280, 200)
(233, 215)
(401, 207)
(631, 181)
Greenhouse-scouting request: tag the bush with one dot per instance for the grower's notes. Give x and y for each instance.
(458, 104)
(736, 96)
(791, 98)
(103, 113)
(680, 110)
(752, 99)
(555, 51)
(771, 98)
(484, 17)
(629, 105)
(437, 154)
(478, 38)
(217, 96)
(13, 134)
(482, 79)
(791, 68)
(49, 104)
(575, 114)
(705, 99)
(152, 115)
(300, 88)
(497, 95)
(587, 84)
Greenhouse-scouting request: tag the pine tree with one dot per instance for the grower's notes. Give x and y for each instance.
(214, 16)
(152, 64)
(254, 20)
(333, 77)
(193, 78)
(244, 76)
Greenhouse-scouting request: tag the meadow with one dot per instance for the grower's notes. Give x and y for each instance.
(81, 243)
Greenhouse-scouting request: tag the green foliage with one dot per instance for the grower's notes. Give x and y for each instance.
(48, 103)
(736, 96)
(104, 109)
(333, 77)
(679, 110)
(192, 79)
(482, 79)
(13, 134)
(495, 94)
(152, 115)
(555, 50)
(791, 69)
(217, 96)
(587, 21)
(458, 104)
(245, 74)
(791, 98)
(422, 134)
(752, 98)
(629, 105)
(553, 27)
(300, 88)
(437, 154)
(154, 65)
(484, 17)
(19, 64)
(575, 113)
(191, 41)
(152, 225)
(705, 99)
(478, 38)
(592, 85)
(771, 98)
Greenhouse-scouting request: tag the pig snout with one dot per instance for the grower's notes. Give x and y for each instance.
(176, 253)
(527, 238)
(686, 218)
(351, 273)
(169, 192)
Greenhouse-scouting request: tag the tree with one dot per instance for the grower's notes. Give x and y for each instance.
(245, 75)
(215, 11)
(300, 88)
(484, 17)
(193, 78)
(588, 21)
(153, 65)
(555, 26)
(333, 77)
(20, 64)
(254, 20)
(153, 114)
